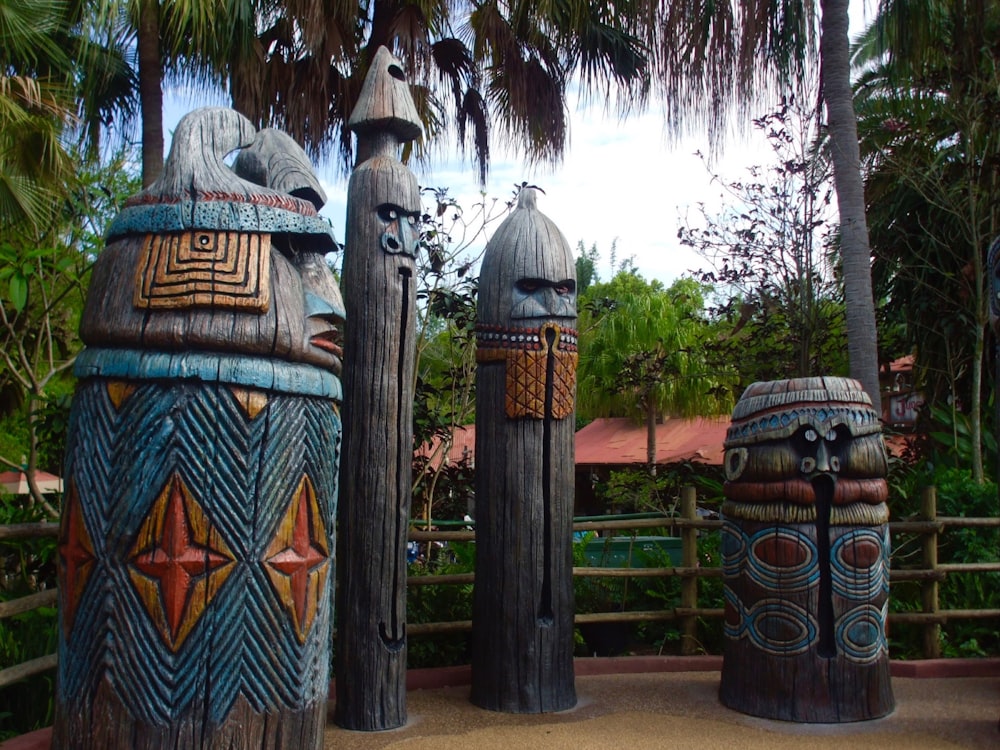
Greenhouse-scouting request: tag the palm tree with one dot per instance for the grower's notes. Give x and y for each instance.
(478, 68)
(927, 92)
(493, 68)
(57, 82)
(35, 108)
(855, 252)
(177, 40)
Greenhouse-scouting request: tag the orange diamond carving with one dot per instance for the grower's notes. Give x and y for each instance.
(76, 557)
(178, 562)
(298, 558)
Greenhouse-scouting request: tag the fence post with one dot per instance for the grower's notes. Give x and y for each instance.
(689, 583)
(929, 587)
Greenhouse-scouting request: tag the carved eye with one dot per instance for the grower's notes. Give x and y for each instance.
(528, 286)
(411, 220)
(811, 435)
(204, 240)
(735, 463)
(564, 287)
(831, 436)
(388, 213)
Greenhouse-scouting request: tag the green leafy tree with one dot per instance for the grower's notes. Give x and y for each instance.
(586, 267)
(927, 93)
(779, 304)
(642, 354)
(451, 243)
(43, 281)
(53, 83)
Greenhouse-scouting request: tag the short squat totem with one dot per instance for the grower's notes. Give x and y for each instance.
(522, 630)
(196, 549)
(805, 553)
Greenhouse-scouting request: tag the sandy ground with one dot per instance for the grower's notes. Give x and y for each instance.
(681, 711)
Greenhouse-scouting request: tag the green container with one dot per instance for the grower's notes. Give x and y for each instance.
(634, 552)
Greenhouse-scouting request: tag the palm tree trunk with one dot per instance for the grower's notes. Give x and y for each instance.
(150, 91)
(855, 252)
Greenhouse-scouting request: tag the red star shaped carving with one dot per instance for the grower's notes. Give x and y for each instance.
(76, 556)
(297, 556)
(176, 561)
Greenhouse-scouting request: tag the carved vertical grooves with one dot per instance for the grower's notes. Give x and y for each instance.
(394, 636)
(522, 621)
(383, 202)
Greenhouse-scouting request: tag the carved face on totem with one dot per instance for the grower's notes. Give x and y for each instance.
(787, 435)
(527, 312)
(392, 212)
(227, 260)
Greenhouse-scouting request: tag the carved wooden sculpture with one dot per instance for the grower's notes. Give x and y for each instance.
(522, 634)
(805, 553)
(383, 206)
(993, 287)
(196, 550)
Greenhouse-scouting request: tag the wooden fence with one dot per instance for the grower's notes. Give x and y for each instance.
(687, 525)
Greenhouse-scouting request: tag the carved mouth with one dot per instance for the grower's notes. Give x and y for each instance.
(328, 341)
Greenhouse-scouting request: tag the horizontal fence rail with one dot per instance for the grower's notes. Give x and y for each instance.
(929, 527)
(687, 526)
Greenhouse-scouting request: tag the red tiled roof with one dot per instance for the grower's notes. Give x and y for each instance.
(622, 441)
(903, 364)
(16, 483)
(617, 441)
(463, 444)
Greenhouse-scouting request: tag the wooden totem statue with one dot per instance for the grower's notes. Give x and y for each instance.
(383, 207)
(993, 287)
(522, 626)
(805, 554)
(197, 540)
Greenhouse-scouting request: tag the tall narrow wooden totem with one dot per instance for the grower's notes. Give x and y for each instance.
(993, 287)
(196, 549)
(522, 626)
(383, 206)
(805, 554)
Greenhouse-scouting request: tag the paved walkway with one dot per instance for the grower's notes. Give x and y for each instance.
(671, 703)
(681, 711)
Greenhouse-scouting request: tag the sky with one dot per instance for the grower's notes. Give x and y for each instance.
(622, 181)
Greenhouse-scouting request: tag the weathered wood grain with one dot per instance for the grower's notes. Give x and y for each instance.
(379, 277)
(806, 554)
(522, 635)
(197, 541)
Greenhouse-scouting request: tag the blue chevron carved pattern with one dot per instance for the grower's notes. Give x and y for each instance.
(215, 509)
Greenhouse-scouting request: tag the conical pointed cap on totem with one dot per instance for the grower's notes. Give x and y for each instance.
(526, 261)
(385, 104)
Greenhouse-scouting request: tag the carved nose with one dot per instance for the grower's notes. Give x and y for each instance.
(317, 307)
(823, 462)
